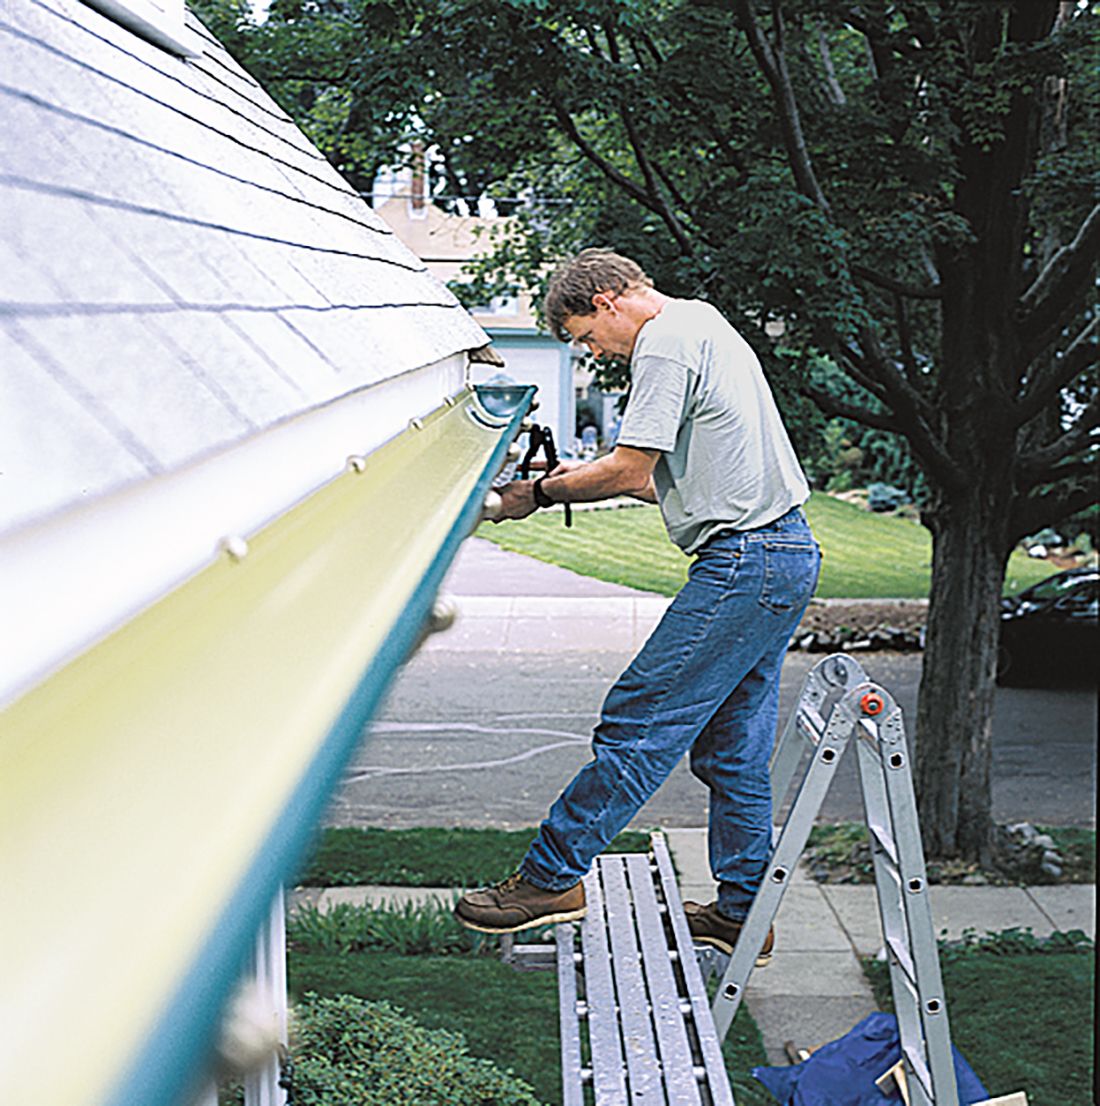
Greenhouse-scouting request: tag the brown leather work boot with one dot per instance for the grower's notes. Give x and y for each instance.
(708, 927)
(516, 904)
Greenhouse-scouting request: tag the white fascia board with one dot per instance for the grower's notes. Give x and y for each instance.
(69, 580)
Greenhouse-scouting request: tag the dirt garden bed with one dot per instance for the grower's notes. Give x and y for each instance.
(1022, 854)
(861, 625)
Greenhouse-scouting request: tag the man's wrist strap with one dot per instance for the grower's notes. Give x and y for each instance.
(541, 498)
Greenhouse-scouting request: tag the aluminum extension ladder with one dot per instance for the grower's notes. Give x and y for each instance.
(837, 703)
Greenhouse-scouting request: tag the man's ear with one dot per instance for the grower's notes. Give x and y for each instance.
(602, 301)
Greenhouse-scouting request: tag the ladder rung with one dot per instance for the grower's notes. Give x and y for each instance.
(901, 954)
(920, 1070)
(884, 841)
(889, 868)
(811, 723)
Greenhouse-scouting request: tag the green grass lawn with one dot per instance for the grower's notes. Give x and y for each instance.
(865, 556)
(1021, 1012)
(427, 857)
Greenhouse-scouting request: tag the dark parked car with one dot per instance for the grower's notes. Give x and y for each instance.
(1050, 632)
(885, 497)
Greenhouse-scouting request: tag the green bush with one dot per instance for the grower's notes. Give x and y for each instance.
(349, 1052)
(505, 1016)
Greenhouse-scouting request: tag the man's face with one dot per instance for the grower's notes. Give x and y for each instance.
(609, 332)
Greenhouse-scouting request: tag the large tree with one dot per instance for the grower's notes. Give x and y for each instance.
(905, 190)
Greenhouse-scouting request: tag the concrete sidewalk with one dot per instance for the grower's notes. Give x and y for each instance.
(514, 603)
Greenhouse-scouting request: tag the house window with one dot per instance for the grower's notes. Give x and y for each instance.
(159, 21)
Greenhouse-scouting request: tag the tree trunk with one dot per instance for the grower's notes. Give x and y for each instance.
(955, 711)
(980, 364)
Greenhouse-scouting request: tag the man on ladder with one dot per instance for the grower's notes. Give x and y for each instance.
(701, 436)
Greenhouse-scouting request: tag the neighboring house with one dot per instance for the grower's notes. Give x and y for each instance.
(446, 243)
(237, 452)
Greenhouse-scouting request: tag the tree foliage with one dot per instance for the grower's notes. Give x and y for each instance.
(894, 199)
(814, 164)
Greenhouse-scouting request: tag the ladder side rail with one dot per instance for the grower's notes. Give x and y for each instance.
(880, 825)
(792, 841)
(786, 758)
(572, 1078)
(918, 908)
(608, 1067)
(634, 999)
(892, 916)
(673, 1042)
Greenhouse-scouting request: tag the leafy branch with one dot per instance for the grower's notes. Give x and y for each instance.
(1056, 290)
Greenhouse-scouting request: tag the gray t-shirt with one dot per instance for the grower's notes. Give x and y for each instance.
(698, 395)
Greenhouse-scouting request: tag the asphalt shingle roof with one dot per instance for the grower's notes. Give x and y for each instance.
(179, 266)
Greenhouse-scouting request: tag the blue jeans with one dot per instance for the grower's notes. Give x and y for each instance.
(707, 680)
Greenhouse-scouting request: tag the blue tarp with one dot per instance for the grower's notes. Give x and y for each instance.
(843, 1072)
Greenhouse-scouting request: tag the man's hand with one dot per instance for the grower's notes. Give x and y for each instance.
(567, 466)
(626, 470)
(517, 500)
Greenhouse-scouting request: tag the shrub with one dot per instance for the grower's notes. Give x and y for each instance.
(413, 929)
(349, 1052)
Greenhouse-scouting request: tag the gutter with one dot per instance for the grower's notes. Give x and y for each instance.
(157, 791)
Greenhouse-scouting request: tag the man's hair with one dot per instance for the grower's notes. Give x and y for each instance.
(591, 272)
